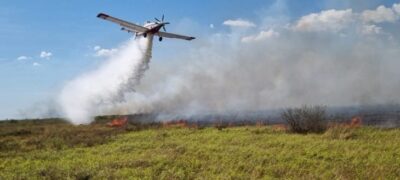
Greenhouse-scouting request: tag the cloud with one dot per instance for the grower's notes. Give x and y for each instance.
(337, 20)
(239, 23)
(212, 26)
(380, 14)
(262, 35)
(328, 20)
(371, 29)
(396, 8)
(102, 52)
(45, 55)
(21, 58)
(96, 48)
(36, 64)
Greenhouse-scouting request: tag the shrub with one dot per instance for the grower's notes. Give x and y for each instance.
(306, 119)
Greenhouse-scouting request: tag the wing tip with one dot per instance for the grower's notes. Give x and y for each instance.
(191, 38)
(102, 15)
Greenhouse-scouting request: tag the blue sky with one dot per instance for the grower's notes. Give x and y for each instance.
(67, 32)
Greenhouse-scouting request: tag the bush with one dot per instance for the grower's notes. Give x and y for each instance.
(306, 119)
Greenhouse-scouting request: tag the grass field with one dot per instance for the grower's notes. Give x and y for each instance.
(56, 150)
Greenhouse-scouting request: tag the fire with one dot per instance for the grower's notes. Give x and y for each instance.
(179, 123)
(118, 122)
(355, 121)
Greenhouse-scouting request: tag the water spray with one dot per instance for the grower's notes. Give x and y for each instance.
(84, 97)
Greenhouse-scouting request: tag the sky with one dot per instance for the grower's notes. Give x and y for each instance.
(45, 43)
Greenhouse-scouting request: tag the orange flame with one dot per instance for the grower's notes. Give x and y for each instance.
(356, 121)
(179, 123)
(118, 122)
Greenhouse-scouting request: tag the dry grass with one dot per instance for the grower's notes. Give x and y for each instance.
(340, 131)
(344, 130)
(57, 134)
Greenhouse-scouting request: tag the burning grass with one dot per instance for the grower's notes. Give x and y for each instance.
(344, 130)
(118, 122)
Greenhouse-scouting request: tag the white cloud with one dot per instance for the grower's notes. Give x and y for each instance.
(36, 64)
(96, 48)
(21, 58)
(338, 20)
(371, 29)
(380, 14)
(212, 26)
(396, 8)
(260, 36)
(45, 55)
(102, 52)
(329, 20)
(239, 23)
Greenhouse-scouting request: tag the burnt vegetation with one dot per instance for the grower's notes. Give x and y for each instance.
(50, 133)
(27, 135)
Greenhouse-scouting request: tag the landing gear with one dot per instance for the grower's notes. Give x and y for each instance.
(145, 35)
(160, 39)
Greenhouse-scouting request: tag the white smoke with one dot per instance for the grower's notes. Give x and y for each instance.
(331, 62)
(105, 87)
(334, 67)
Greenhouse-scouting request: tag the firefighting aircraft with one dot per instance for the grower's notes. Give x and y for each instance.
(149, 28)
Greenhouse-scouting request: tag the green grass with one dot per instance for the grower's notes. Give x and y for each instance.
(62, 151)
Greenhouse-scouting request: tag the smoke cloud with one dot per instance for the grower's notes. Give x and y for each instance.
(333, 58)
(332, 62)
(90, 93)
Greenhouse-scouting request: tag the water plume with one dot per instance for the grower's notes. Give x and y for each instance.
(88, 94)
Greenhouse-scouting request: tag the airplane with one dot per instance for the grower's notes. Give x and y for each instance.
(149, 28)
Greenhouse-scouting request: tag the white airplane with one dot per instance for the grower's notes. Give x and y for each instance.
(149, 28)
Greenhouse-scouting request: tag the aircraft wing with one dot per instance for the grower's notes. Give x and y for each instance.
(123, 23)
(177, 36)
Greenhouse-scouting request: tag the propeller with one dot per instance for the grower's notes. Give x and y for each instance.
(162, 21)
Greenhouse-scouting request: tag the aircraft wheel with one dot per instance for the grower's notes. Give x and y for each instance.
(160, 39)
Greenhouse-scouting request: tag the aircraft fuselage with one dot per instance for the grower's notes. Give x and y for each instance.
(153, 28)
